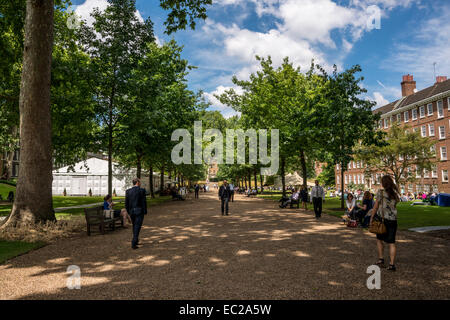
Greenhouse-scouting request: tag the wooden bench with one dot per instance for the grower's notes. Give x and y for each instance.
(95, 217)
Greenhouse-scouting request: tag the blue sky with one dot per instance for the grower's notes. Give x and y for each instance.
(413, 35)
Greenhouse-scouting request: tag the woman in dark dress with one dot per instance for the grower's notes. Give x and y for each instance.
(304, 197)
(367, 204)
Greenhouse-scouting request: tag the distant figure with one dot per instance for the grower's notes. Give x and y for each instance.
(136, 205)
(224, 196)
(196, 190)
(10, 196)
(317, 196)
(232, 192)
(304, 197)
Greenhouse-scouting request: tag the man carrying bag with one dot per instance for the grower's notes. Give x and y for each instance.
(136, 205)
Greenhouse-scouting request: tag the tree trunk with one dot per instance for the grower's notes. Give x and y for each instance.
(256, 179)
(249, 179)
(261, 180)
(33, 200)
(161, 179)
(283, 178)
(139, 166)
(245, 181)
(303, 165)
(342, 186)
(150, 174)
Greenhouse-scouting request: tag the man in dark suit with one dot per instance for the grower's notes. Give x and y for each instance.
(224, 196)
(136, 205)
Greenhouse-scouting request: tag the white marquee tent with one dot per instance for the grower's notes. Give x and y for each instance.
(92, 174)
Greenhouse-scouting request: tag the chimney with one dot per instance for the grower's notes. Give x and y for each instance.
(408, 85)
(440, 79)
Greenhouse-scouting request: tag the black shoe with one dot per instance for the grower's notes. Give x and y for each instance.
(227, 214)
(392, 267)
(134, 247)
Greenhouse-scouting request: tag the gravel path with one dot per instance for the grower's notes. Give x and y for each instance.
(258, 252)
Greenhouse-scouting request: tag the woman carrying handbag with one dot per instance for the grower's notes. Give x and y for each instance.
(383, 220)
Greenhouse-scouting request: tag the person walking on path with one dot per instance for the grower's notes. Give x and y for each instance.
(317, 196)
(136, 205)
(386, 207)
(196, 189)
(232, 192)
(224, 196)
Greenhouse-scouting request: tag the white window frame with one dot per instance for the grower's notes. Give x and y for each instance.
(434, 172)
(426, 173)
(448, 103)
(441, 132)
(422, 112)
(444, 174)
(406, 116)
(423, 131)
(399, 117)
(386, 124)
(440, 109)
(431, 130)
(444, 154)
(414, 114)
(428, 109)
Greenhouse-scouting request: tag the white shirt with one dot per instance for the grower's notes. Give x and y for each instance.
(317, 192)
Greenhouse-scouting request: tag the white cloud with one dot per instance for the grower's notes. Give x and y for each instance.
(226, 111)
(379, 99)
(84, 10)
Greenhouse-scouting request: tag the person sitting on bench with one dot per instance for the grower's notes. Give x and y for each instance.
(175, 195)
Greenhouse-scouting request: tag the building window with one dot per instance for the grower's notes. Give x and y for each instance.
(337, 180)
(443, 153)
(414, 114)
(380, 124)
(386, 123)
(418, 174)
(416, 129)
(426, 173)
(430, 109)
(431, 129)
(406, 116)
(435, 188)
(444, 175)
(399, 117)
(424, 131)
(422, 111)
(440, 109)
(346, 179)
(354, 165)
(448, 103)
(433, 150)
(434, 173)
(442, 132)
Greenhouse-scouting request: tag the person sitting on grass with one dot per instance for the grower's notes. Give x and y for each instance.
(363, 213)
(108, 205)
(351, 206)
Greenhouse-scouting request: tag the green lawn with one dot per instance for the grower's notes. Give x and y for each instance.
(5, 189)
(408, 216)
(11, 249)
(150, 202)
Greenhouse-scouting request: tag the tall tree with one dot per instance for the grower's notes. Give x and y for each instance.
(33, 201)
(349, 118)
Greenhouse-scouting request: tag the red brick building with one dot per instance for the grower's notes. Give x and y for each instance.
(426, 111)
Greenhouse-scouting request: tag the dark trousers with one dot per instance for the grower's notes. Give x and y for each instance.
(232, 196)
(137, 221)
(317, 202)
(225, 205)
(196, 194)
